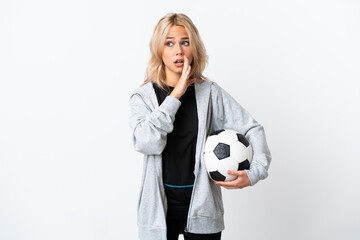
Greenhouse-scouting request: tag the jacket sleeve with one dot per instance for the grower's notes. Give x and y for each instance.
(150, 127)
(229, 114)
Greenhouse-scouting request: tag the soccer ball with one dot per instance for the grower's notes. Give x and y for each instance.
(226, 150)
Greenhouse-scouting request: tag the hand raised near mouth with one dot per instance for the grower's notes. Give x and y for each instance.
(184, 81)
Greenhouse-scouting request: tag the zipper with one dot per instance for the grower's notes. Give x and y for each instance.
(204, 131)
(196, 176)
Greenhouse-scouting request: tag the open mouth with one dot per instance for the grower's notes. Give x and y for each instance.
(179, 63)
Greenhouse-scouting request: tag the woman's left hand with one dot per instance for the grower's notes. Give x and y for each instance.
(240, 182)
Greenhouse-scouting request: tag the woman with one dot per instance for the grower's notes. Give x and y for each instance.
(172, 113)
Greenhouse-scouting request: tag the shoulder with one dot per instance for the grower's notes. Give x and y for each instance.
(213, 86)
(144, 90)
(219, 94)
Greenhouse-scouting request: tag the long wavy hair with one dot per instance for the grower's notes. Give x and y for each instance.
(155, 71)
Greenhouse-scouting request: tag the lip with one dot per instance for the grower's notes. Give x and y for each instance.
(179, 64)
(179, 59)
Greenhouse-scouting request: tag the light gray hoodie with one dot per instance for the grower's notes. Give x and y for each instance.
(150, 124)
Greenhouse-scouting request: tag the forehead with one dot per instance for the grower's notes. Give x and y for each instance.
(177, 31)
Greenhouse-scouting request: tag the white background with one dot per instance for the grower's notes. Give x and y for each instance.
(67, 166)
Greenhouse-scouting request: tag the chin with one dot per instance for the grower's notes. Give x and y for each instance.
(179, 70)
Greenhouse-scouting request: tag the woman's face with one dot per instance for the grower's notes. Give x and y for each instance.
(177, 45)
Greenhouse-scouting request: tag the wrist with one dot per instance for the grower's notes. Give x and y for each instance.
(175, 94)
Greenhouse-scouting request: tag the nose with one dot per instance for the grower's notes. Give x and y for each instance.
(179, 50)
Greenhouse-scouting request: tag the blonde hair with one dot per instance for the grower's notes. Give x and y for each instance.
(155, 71)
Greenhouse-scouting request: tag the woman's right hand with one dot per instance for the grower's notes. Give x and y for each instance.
(184, 81)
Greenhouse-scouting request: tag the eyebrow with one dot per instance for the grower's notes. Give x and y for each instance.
(181, 38)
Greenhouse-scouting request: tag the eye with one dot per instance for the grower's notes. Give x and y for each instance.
(186, 43)
(169, 44)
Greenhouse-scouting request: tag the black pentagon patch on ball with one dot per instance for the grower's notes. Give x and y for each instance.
(217, 132)
(243, 139)
(244, 165)
(217, 176)
(222, 151)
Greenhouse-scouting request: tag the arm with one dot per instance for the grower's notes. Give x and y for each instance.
(150, 128)
(231, 115)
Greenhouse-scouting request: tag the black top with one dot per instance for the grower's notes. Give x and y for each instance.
(179, 153)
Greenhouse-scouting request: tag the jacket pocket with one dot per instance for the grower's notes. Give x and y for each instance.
(207, 200)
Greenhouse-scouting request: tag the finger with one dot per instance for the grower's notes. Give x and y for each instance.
(191, 81)
(227, 187)
(231, 186)
(236, 173)
(226, 184)
(186, 60)
(185, 73)
(186, 64)
(188, 70)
